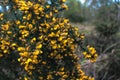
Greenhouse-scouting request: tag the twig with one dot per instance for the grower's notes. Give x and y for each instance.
(113, 45)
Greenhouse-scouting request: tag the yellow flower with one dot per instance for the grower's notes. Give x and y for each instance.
(30, 73)
(18, 59)
(62, 68)
(53, 42)
(25, 78)
(9, 32)
(92, 50)
(31, 67)
(25, 33)
(56, 27)
(33, 21)
(63, 1)
(47, 6)
(40, 9)
(1, 14)
(55, 10)
(40, 78)
(53, 19)
(5, 51)
(64, 6)
(28, 61)
(33, 40)
(18, 22)
(20, 49)
(30, 3)
(72, 47)
(29, 16)
(5, 27)
(24, 54)
(30, 26)
(39, 46)
(40, 37)
(36, 6)
(65, 76)
(24, 17)
(26, 68)
(65, 41)
(36, 52)
(47, 25)
(38, 17)
(60, 38)
(13, 45)
(82, 36)
(54, 46)
(2, 47)
(49, 77)
(1, 55)
(62, 73)
(47, 16)
(84, 53)
(51, 34)
(51, 14)
(96, 55)
(44, 62)
(88, 56)
(66, 20)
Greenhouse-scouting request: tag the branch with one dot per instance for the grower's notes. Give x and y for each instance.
(113, 45)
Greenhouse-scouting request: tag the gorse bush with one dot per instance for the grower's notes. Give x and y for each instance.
(39, 44)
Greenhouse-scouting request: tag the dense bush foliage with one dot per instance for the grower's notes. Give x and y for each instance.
(37, 44)
(74, 13)
(107, 23)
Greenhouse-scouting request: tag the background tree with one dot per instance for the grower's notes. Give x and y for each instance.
(76, 12)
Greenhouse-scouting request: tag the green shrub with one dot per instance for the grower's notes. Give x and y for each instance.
(107, 23)
(74, 13)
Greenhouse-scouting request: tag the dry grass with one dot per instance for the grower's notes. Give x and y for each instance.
(85, 28)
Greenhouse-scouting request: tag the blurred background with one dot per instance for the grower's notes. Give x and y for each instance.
(100, 21)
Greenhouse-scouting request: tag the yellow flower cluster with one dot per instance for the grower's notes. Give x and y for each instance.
(4, 47)
(91, 54)
(82, 74)
(46, 43)
(23, 5)
(1, 16)
(28, 59)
